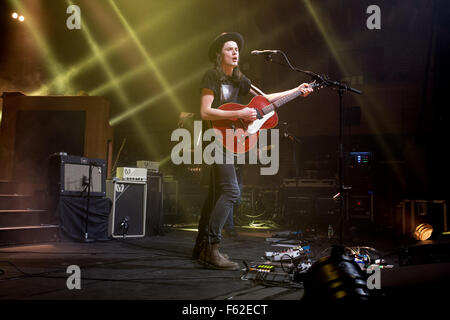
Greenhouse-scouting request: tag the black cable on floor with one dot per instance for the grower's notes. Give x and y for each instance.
(109, 279)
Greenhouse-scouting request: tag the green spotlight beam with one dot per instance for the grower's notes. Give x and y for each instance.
(152, 100)
(83, 65)
(50, 59)
(124, 100)
(171, 54)
(149, 102)
(368, 102)
(165, 160)
(149, 61)
(327, 36)
(103, 63)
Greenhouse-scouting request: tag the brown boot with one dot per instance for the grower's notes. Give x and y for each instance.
(199, 245)
(224, 255)
(211, 257)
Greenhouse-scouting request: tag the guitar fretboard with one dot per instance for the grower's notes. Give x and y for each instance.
(271, 107)
(287, 98)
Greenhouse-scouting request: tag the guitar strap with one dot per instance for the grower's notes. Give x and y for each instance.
(256, 91)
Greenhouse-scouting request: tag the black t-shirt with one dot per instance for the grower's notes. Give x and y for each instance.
(226, 90)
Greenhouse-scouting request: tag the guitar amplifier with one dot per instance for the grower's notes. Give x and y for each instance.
(71, 175)
(151, 166)
(170, 198)
(128, 214)
(131, 174)
(154, 219)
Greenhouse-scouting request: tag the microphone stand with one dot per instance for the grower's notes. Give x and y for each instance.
(86, 234)
(295, 141)
(340, 88)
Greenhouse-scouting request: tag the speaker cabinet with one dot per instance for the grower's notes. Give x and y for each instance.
(70, 174)
(128, 215)
(154, 205)
(170, 198)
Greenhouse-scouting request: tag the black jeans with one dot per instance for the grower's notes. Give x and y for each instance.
(224, 193)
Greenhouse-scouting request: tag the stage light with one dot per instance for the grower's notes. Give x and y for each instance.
(423, 231)
(51, 60)
(15, 15)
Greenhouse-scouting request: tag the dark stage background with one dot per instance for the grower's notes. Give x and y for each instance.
(147, 59)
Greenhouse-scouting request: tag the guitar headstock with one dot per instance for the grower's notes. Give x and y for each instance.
(316, 85)
(320, 82)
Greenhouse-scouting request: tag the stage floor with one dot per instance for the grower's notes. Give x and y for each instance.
(154, 268)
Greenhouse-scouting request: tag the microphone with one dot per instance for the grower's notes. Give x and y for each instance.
(124, 222)
(262, 52)
(124, 225)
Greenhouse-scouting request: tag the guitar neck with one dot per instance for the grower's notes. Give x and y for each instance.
(287, 98)
(275, 105)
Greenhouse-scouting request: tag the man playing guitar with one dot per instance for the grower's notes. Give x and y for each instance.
(220, 85)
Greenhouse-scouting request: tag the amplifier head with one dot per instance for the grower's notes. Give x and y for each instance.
(131, 174)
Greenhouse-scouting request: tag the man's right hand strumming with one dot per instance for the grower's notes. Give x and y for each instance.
(248, 114)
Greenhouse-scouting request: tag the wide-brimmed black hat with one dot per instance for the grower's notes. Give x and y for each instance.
(217, 44)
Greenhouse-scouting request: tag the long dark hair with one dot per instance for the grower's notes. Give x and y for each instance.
(236, 76)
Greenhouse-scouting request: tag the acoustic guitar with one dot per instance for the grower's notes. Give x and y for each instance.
(240, 136)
